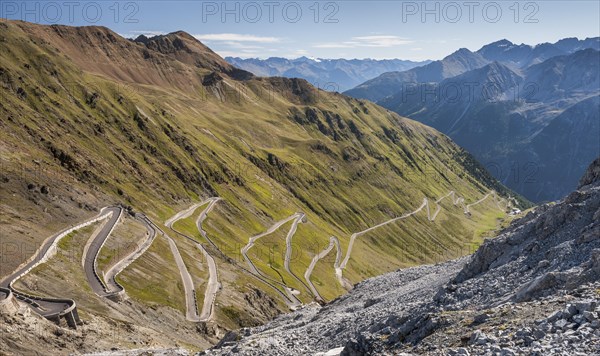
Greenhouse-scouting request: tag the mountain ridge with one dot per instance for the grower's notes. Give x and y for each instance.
(518, 56)
(454, 64)
(496, 110)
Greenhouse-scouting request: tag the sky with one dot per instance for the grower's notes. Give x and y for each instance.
(412, 30)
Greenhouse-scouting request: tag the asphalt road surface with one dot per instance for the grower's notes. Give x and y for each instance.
(91, 255)
(111, 283)
(212, 286)
(49, 306)
(456, 201)
(333, 241)
(291, 300)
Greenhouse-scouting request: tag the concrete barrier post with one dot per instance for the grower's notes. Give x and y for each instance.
(76, 317)
(71, 320)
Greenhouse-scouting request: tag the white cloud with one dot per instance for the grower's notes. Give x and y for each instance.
(381, 41)
(384, 41)
(236, 37)
(240, 45)
(134, 34)
(334, 45)
(149, 33)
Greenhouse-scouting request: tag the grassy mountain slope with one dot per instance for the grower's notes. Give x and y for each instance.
(158, 127)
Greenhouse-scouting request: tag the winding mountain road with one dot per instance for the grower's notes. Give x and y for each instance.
(288, 250)
(333, 241)
(113, 287)
(213, 285)
(292, 300)
(90, 255)
(212, 288)
(188, 283)
(342, 266)
(51, 308)
(455, 200)
(202, 217)
(55, 308)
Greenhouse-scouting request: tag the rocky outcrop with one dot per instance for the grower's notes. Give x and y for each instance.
(187, 49)
(8, 303)
(592, 175)
(552, 248)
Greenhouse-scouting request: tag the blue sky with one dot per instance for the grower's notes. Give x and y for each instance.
(413, 30)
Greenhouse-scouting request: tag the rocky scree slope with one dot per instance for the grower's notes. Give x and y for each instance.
(533, 290)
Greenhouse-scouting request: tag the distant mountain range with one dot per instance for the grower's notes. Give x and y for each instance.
(531, 114)
(329, 74)
(463, 60)
(524, 55)
(387, 84)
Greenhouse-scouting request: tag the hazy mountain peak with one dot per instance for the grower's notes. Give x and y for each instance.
(572, 44)
(181, 41)
(459, 62)
(539, 114)
(497, 67)
(460, 52)
(464, 54)
(502, 43)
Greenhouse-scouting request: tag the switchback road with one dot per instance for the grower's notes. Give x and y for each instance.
(455, 200)
(50, 307)
(90, 256)
(111, 283)
(213, 285)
